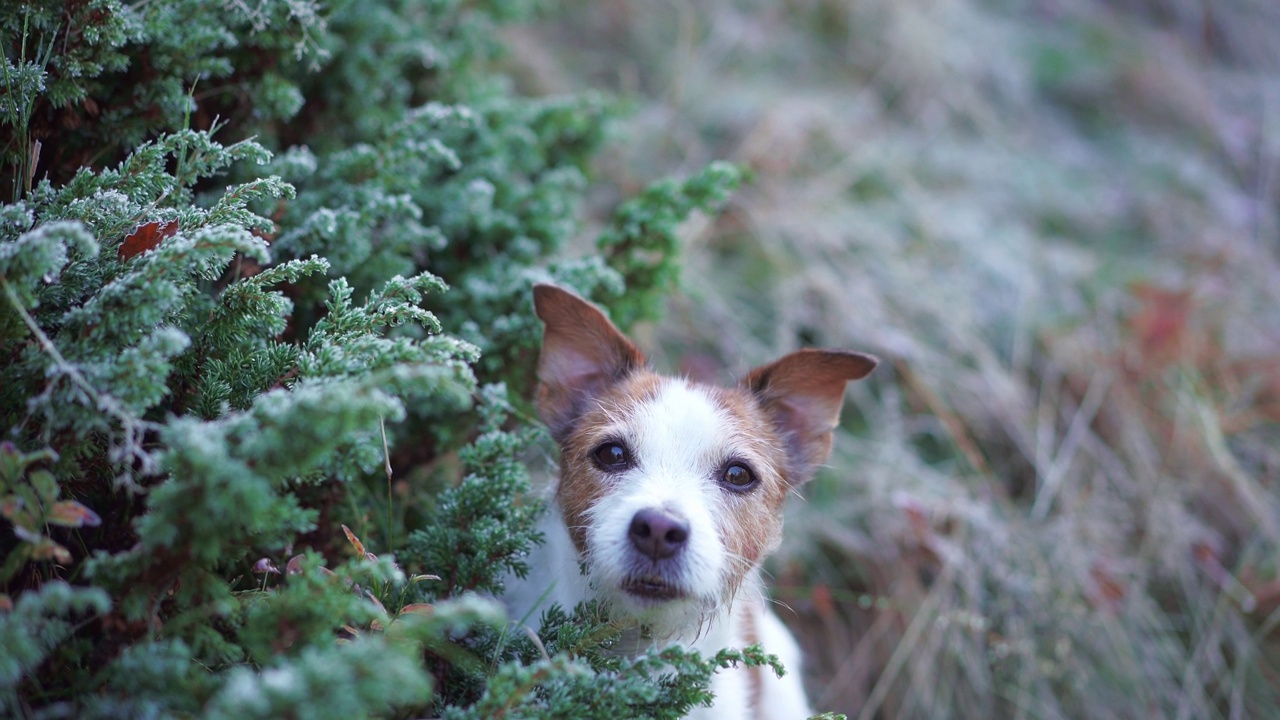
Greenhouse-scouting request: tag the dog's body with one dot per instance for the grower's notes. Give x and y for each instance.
(671, 492)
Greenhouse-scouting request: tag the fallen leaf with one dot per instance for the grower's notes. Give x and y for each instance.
(418, 609)
(146, 236)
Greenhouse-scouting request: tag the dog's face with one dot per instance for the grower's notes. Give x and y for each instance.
(672, 491)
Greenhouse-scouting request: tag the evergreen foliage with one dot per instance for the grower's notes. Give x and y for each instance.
(255, 316)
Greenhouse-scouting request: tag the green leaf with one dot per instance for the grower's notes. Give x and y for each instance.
(46, 486)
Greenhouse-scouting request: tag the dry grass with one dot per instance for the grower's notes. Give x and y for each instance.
(1057, 223)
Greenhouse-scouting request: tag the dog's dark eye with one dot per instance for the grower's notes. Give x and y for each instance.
(738, 477)
(612, 456)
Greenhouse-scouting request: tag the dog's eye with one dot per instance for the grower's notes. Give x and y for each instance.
(738, 477)
(612, 456)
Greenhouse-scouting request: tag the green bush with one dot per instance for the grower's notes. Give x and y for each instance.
(263, 442)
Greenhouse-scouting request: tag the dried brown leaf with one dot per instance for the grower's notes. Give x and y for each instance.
(355, 541)
(146, 236)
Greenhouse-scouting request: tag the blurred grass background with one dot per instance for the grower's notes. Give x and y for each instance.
(1056, 223)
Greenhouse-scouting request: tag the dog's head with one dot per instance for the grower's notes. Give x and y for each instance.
(672, 491)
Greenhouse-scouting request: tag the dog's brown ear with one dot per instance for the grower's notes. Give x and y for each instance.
(802, 394)
(582, 355)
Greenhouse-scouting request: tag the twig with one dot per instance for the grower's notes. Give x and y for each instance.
(386, 463)
(104, 402)
(1051, 480)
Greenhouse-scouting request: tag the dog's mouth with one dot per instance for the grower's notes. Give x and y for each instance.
(649, 587)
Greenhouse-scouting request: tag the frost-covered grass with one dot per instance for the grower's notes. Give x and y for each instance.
(1057, 224)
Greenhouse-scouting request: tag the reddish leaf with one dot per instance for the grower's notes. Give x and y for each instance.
(10, 505)
(47, 549)
(1161, 323)
(355, 541)
(1204, 554)
(294, 566)
(376, 602)
(69, 513)
(1265, 593)
(6, 603)
(146, 236)
(267, 236)
(1108, 591)
(823, 601)
(418, 609)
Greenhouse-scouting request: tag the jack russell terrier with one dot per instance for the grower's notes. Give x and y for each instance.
(670, 493)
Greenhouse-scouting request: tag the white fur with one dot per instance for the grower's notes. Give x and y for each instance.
(678, 439)
(676, 445)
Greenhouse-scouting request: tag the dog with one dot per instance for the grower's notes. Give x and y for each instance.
(671, 493)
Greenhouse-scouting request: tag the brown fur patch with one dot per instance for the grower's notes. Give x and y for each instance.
(582, 355)
(581, 482)
(802, 392)
(751, 526)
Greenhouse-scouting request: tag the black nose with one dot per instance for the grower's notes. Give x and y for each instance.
(658, 534)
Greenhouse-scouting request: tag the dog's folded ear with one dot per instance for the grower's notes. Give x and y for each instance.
(583, 353)
(802, 394)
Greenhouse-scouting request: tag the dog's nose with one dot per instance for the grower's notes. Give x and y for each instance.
(658, 534)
